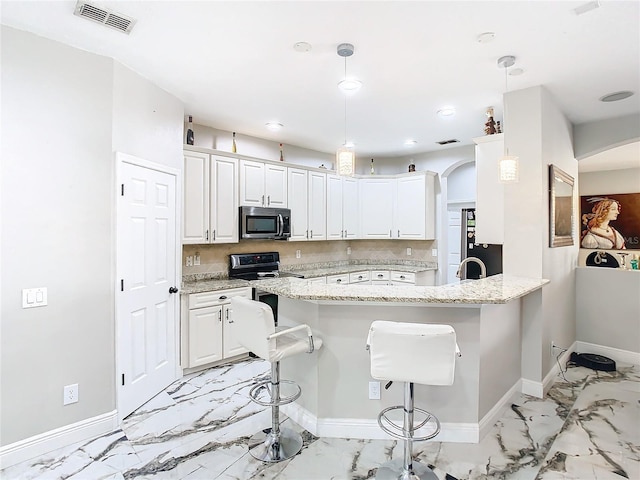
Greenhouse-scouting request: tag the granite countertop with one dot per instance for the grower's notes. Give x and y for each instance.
(211, 285)
(495, 289)
(325, 270)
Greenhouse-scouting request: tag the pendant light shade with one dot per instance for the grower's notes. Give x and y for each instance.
(509, 167)
(346, 161)
(509, 172)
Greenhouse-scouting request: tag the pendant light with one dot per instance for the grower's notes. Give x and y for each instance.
(509, 168)
(345, 156)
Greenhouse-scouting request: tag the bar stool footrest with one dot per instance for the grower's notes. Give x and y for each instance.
(397, 431)
(255, 392)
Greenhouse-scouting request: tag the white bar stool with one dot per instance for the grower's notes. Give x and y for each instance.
(410, 353)
(254, 328)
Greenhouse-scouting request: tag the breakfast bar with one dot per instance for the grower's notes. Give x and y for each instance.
(486, 315)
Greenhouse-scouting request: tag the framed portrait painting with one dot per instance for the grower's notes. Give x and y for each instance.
(610, 221)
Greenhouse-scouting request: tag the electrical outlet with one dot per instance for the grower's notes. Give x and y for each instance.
(348, 250)
(298, 254)
(70, 394)
(374, 390)
(434, 252)
(196, 259)
(408, 250)
(189, 262)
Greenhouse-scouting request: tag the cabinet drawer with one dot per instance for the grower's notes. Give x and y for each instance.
(380, 275)
(337, 279)
(358, 277)
(217, 297)
(403, 277)
(318, 280)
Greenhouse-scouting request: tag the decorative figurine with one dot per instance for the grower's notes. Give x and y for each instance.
(490, 126)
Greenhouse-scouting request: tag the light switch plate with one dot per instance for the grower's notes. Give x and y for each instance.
(189, 261)
(34, 297)
(196, 259)
(434, 252)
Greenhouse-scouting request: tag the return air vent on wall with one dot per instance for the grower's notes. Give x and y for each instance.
(447, 142)
(104, 16)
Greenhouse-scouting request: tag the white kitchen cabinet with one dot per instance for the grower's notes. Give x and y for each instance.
(380, 277)
(263, 184)
(402, 278)
(414, 215)
(340, 279)
(318, 280)
(210, 212)
(360, 277)
(307, 192)
(489, 190)
(206, 336)
(342, 207)
(377, 198)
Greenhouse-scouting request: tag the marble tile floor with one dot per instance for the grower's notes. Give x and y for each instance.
(587, 427)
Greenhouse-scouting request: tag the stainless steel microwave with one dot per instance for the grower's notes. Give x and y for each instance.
(265, 223)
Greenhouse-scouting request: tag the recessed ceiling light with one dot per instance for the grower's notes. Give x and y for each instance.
(514, 72)
(486, 37)
(274, 126)
(410, 143)
(349, 144)
(587, 7)
(302, 47)
(349, 85)
(447, 111)
(614, 97)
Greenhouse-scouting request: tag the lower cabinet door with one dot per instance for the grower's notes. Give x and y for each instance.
(231, 345)
(205, 335)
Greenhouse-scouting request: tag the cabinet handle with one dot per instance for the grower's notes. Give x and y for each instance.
(206, 235)
(380, 275)
(227, 314)
(341, 233)
(222, 297)
(402, 277)
(220, 316)
(268, 200)
(390, 234)
(214, 235)
(311, 233)
(307, 233)
(398, 234)
(339, 280)
(359, 277)
(263, 200)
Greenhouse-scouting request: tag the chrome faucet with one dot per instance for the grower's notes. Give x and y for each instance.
(483, 268)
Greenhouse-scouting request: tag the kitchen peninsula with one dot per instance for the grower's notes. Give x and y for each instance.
(486, 315)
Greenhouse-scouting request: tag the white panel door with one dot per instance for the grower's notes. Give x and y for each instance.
(454, 244)
(335, 230)
(275, 181)
(252, 183)
(195, 219)
(224, 200)
(146, 270)
(297, 193)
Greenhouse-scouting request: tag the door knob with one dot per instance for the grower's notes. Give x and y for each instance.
(173, 290)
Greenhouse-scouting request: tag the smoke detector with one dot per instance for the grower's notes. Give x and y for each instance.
(104, 16)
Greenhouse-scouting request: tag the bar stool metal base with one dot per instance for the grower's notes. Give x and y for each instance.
(394, 470)
(267, 447)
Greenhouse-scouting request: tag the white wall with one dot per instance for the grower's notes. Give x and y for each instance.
(64, 112)
(596, 137)
(540, 135)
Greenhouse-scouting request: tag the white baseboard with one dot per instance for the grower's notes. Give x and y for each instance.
(623, 356)
(492, 416)
(369, 429)
(43, 443)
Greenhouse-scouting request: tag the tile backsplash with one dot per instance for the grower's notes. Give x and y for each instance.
(215, 258)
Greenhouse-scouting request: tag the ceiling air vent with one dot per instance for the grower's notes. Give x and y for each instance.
(447, 142)
(104, 16)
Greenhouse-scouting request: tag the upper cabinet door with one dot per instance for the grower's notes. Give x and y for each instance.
(377, 196)
(195, 218)
(489, 190)
(335, 230)
(252, 183)
(350, 213)
(275, 181)
(224, 200)
(297, 188)
(317, 205)
(410, 217)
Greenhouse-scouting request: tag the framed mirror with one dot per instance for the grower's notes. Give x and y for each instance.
(561, 222)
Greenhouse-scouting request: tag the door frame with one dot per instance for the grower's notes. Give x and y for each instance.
(120, 159)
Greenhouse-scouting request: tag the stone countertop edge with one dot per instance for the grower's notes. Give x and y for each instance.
(497, 289)
(323, 271)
